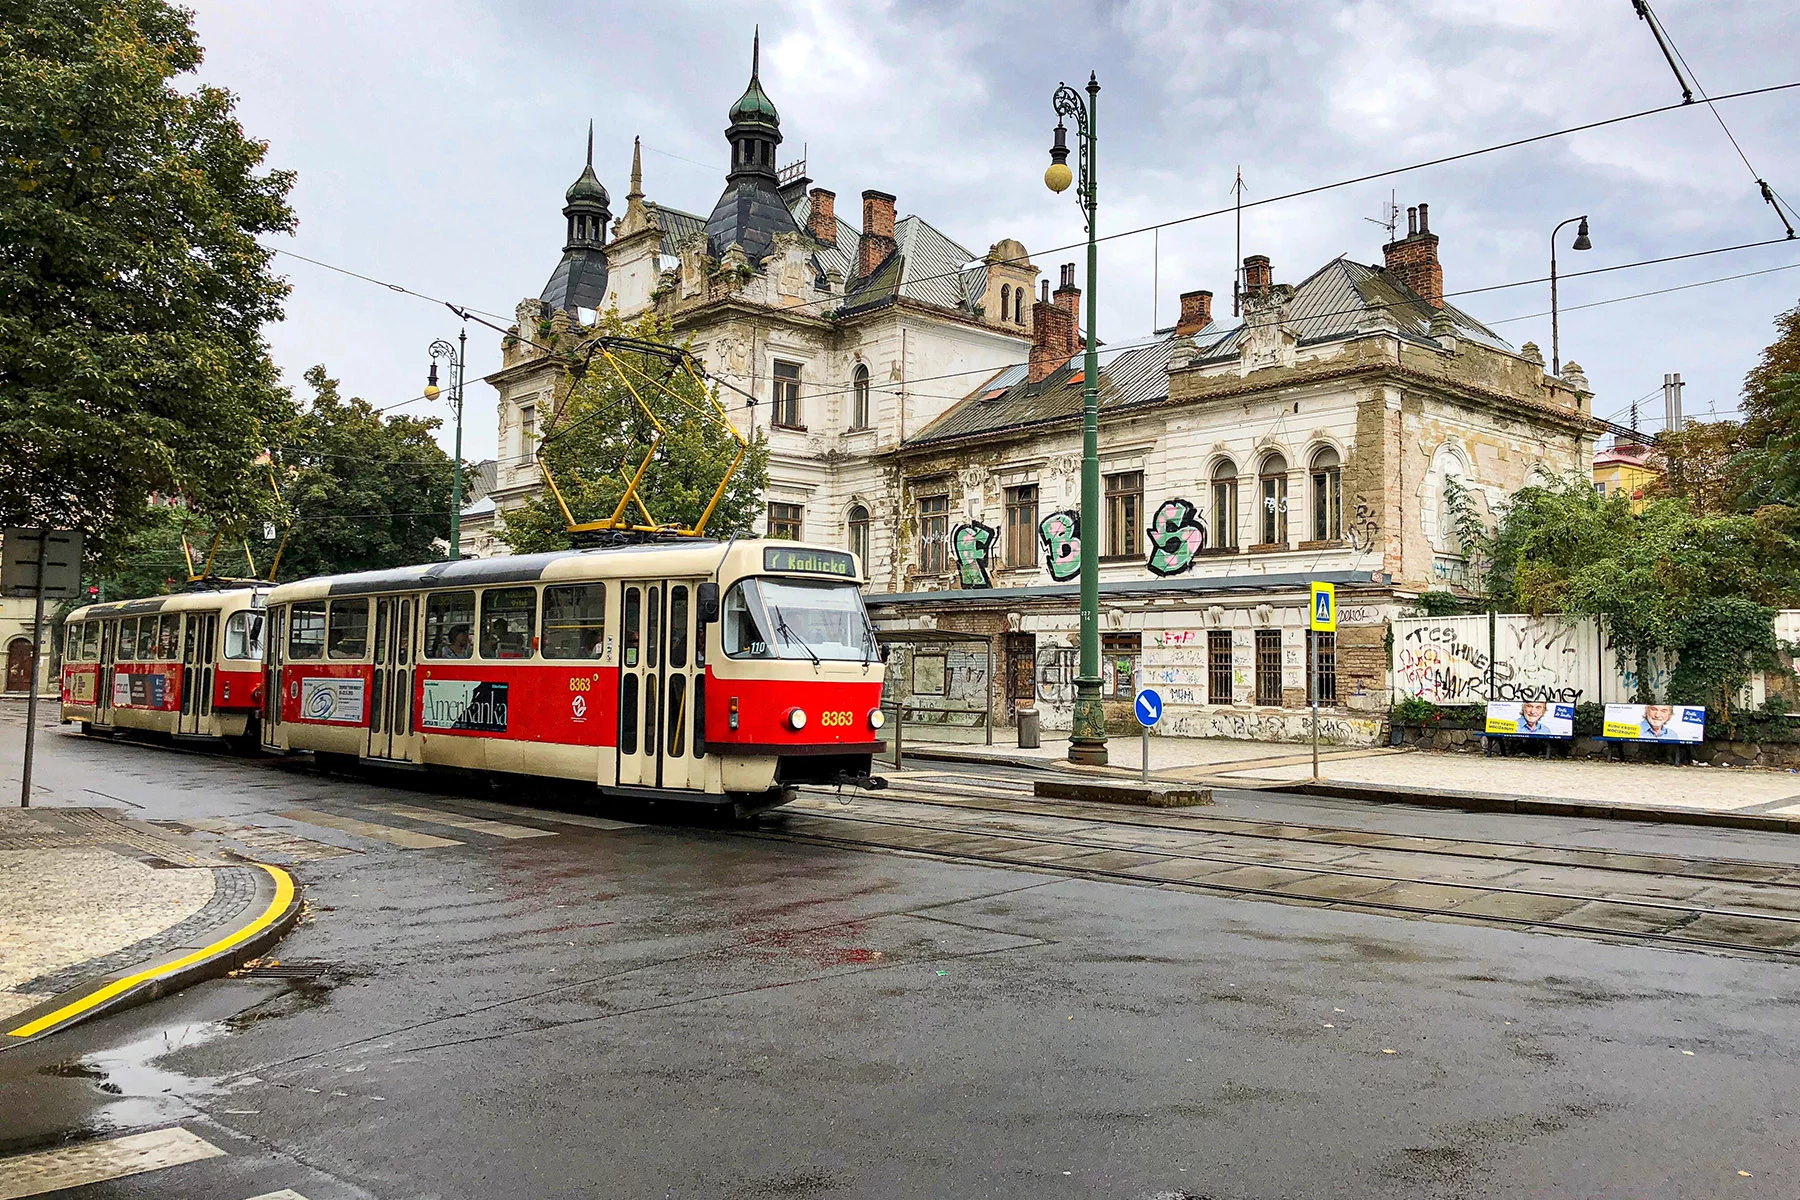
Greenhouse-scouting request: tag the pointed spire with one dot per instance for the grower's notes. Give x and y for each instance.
(637, 172)
(590, 158)
(755, 52)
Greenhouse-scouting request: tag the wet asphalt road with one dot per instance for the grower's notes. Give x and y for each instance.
(668, 1010)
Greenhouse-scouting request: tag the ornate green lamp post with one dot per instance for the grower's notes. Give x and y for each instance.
(1087, 743)
(454, 355)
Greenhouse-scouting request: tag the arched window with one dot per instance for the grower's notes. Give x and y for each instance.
(1272, 489)
(859, 400)
(858, 523)
(1005, 301)
(1019, 307)
(1327, 496)
(1225, 506)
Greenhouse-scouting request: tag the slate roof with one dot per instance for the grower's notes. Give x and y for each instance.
(677, 226)
(1340, 300)
(1343, 298)
(925, 267)
(1127, 379)
(749, 213)
(579, 280)
(841, 257)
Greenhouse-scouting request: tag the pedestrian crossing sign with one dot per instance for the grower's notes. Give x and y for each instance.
(1324, 608)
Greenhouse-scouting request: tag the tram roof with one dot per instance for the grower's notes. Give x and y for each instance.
(690, 557)
(223, 599)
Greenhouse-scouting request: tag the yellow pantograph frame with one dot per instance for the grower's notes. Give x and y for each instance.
(212, 553)
(617, 522)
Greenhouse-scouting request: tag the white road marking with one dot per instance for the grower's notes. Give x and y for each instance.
(283, 1194)
(555, 818)
(458, 821)
(406, 839)
(95, 1162)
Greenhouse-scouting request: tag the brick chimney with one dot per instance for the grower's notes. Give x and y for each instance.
(1259, 276)
(1068, 296)
(877, 241)
(1196, 313)
(824, 216)
(1054, 336)
(1413, 259)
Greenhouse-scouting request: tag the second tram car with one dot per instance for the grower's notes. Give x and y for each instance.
(189, 665)
(720, 672)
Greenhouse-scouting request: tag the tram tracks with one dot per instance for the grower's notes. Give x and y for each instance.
(1718, 905)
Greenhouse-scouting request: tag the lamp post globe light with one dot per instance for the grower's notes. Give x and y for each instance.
(1087, 738)
(454, 356)
(1581, 243)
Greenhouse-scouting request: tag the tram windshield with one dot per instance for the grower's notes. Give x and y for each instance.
(795, 618)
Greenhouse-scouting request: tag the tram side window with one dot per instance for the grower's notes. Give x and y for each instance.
(450, 625)
(72, 643)
(575, 621)
(347, 634)
(508, 621)
(244, 635)
(127, 640)
(306, 631)
(90, 641)
(146, 638)
(168, 638)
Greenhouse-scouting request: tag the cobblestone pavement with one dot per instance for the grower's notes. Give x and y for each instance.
(1713, 789)
(86, 894)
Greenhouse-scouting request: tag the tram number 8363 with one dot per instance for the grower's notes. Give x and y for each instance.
(835, 718)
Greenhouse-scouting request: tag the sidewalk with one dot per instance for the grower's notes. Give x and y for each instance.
(99, 912)
(1419, 774)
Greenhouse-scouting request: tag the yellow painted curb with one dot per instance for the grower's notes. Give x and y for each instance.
(284, 897)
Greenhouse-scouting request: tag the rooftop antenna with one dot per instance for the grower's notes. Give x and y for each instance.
(1390, 216)
(1237, 270)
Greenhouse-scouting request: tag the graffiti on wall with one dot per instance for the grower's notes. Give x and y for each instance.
(971, 544)
(1060, 533)
(1176, 538)
(1362, 527)
(1537, 660)
(1056, 668)
(1440, 662)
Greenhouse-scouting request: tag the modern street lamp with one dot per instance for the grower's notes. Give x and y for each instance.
(1087, 740)
(454, 355)
(1581, 243)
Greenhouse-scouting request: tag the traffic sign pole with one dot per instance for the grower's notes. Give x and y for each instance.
(1322, 620)
(31, 687)
(1315, 706)
(1147, 706)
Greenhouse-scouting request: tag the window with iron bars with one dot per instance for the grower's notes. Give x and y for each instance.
(1218, 666)
(1327, 666)
(1268, 668)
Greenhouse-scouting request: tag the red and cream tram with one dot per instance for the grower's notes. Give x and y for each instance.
(721, 672)
(188, 665)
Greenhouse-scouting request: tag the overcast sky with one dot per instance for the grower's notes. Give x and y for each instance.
(433, 142)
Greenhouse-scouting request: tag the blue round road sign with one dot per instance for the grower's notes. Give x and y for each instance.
(1148, 707)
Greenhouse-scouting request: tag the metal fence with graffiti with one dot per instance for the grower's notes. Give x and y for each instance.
(1514, 657)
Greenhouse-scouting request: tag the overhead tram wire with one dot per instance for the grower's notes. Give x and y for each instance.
(1153, 339)
(1310, 191)
(1666, 43)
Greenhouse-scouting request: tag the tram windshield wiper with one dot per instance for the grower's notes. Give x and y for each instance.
(786, 632)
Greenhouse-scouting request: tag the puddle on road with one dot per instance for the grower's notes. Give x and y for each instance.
(139, 1091)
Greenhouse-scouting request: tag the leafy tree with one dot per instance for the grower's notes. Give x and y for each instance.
(1698, 465)
(599, 435)
(131, 359)
(364, 490)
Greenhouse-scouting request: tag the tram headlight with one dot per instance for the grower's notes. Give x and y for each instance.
(877, 718)
(796, 719)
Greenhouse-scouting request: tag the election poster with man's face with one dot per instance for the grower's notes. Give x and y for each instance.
(1654, 723)
(1530, 719)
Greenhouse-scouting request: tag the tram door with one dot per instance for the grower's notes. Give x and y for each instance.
(103, 681)
(192, 628)
(659, 662)
(393, 726)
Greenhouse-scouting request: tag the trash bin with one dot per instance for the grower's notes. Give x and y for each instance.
(1028, 729)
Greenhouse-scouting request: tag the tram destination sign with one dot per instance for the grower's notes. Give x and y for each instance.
(811, 562)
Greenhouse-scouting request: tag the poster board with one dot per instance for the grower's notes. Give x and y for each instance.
(1530, 719)
(1674, 723)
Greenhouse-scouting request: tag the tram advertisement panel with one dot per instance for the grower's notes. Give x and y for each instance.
(84, 686)
(336, 700)
(467, 705)
(145, 689)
